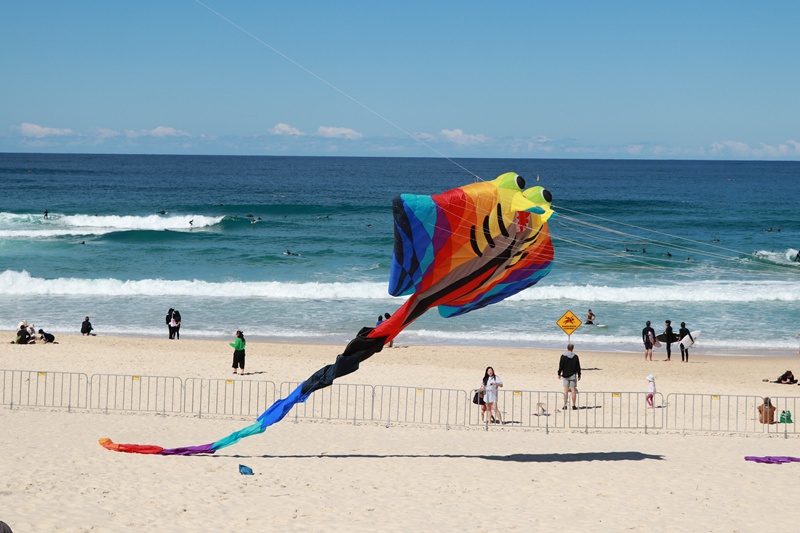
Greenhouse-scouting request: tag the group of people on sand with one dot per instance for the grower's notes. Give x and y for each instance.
(684, 338)
(28, 335)
(569, 372)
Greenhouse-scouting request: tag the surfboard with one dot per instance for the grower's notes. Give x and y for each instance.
(598, 325)
(662, 337)
(654, 342)
(687, 341)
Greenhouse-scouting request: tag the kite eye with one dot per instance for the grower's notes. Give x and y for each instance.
(520, 181)
(547, 196)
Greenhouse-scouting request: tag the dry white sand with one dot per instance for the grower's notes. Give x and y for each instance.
(331, 476)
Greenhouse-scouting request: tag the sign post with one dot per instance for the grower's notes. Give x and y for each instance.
(569, 323)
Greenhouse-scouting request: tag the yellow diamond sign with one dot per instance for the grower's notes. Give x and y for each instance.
(569, 322)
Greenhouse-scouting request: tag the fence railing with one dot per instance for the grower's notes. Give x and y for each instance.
(337, 402)
(594, 410)
(117, 392)
(391, 404)
(420, 405)
(32, 388)
(227, 397)
(729, 413)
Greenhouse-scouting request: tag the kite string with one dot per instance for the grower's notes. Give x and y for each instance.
(337, 89)
(415, 138)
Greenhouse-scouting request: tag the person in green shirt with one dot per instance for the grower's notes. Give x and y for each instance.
(238, 352)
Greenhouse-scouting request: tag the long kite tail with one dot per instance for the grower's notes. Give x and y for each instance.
(367, 343)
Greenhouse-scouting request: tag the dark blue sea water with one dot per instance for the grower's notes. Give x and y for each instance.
(129, 236)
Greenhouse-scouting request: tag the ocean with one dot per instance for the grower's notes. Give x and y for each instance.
(129, 236)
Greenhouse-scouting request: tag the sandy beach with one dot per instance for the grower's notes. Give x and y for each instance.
(337, 476)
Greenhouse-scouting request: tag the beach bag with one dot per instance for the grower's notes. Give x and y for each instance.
(478, 398)
(786, 417)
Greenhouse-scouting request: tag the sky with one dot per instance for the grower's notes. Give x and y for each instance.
(463, 78)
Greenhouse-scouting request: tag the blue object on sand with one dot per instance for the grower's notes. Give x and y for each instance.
(245, 470)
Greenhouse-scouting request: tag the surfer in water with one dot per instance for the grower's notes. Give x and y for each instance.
(590, 317)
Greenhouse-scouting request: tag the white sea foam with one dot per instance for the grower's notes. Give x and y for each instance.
(18, 283)
(150, 222)
(29, 226)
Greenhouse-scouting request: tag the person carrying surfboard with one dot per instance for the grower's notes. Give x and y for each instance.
(683, 333)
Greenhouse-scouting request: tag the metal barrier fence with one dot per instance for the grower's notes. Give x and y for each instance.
(420, 405)
(115, 392)
(728, 413)
(337, 402)
(230, 397)
(390, 404)
(32, 388)
(595, 410)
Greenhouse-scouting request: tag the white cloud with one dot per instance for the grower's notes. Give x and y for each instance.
(34, 130)
(105, 133)
(790, 148)
(338, 133)
(457, 136)
(425, 137)
(159, 132)
(285, 129)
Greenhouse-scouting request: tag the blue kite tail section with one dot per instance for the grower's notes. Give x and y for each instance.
(281, 408)
(274, 414)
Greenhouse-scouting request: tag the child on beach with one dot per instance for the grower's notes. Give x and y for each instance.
(651, 390)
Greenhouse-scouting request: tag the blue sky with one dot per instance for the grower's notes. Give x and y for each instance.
(612, 79)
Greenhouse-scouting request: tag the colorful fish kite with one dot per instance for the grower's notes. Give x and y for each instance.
(459, 251)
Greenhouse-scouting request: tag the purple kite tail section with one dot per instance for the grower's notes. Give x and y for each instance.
(772, 459)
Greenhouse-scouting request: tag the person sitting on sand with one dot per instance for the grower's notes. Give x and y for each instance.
(22, 336)
(787, 378)
(47, 338)
(766, 412)
(86, 327)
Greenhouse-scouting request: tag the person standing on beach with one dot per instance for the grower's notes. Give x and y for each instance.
(170, 327)
(489, 389)
(238, 352)
(651, 390)
(569, 370)
(669, 334)
(683, 333)
(86, 327)
(648, 338)
(176, 321)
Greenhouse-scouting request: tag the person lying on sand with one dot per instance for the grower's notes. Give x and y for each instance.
(787, 378)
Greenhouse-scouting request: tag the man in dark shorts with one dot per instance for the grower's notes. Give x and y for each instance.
(648, 338)
(569, 370)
